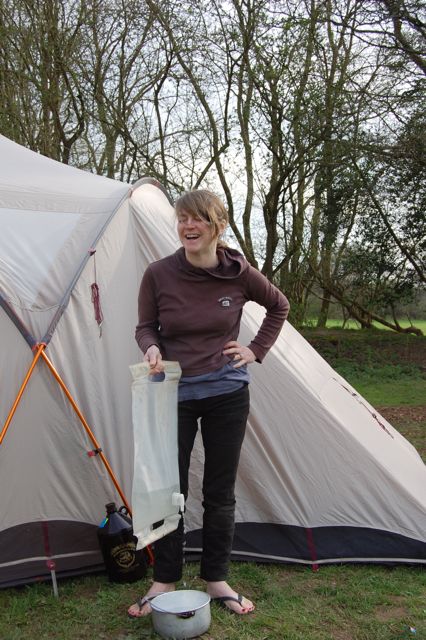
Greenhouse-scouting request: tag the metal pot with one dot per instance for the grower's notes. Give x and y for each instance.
(181, 614)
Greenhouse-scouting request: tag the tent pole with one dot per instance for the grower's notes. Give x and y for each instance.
(38, 350)
(87, 428)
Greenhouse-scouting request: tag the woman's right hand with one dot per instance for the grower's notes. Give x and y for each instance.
(153, 356)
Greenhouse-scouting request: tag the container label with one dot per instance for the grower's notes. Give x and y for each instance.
(124, 554)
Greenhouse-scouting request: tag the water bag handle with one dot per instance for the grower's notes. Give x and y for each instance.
(140, 371)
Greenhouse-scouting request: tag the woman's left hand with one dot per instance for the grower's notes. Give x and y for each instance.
(241, 355)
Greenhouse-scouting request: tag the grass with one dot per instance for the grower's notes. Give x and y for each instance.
(391, 393)
(387, 369)
(337, 323)
(340, 602)
(294, 603)
(386, 385)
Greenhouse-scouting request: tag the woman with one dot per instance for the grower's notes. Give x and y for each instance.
(190, 307)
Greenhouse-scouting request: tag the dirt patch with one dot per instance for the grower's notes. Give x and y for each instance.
(386, 613)
(341, 634)
(403, 414)
(410, 422)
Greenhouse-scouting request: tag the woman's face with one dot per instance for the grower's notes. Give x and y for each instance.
(196, 235)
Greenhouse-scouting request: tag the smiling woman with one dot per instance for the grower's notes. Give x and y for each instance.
(190, 307)
(202, 219)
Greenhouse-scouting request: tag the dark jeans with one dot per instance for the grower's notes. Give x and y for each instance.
(223, 424)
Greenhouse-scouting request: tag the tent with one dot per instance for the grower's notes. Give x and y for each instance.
(323, 477)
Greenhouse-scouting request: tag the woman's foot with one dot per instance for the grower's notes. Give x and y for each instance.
(142, 608)
(222, 593)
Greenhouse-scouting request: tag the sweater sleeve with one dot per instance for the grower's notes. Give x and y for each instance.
(277, 306)
(147, 329)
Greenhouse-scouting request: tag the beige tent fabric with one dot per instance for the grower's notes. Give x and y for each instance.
(314, 454)
(45, 437)
(50, 215)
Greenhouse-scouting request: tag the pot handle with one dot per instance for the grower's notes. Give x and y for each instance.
(186, 614)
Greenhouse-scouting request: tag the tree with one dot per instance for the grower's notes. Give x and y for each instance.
(121, 65)
(407, 28)
(43, 106)
(307, 117)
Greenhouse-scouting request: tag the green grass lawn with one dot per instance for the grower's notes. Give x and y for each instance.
(347, 602)
(388, 369)
(390, 393)
(294, 603)
(389, 385)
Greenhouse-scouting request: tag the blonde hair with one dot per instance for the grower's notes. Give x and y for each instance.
(207, 206)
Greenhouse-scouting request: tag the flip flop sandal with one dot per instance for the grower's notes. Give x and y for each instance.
(222, 600)
(140, 602)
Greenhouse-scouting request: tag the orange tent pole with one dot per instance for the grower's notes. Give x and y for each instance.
(87, 428)
(93, 439)
(37, 355)
(39, 351)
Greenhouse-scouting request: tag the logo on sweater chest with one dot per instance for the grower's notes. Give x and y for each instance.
(225, 301)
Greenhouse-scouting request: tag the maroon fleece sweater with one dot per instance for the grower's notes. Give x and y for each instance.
(191, 313)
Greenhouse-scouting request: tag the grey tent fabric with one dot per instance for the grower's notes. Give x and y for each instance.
(323, 477)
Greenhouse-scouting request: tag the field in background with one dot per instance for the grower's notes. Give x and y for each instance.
(386, 368)
(293, 603)
(337, 323)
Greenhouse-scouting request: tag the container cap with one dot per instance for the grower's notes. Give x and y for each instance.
(111, 507)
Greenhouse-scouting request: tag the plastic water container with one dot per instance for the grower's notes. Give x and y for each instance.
(118, 545)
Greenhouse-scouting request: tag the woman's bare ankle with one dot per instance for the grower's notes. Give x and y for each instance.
(222, 591)
(164, 587)
(142, 608)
